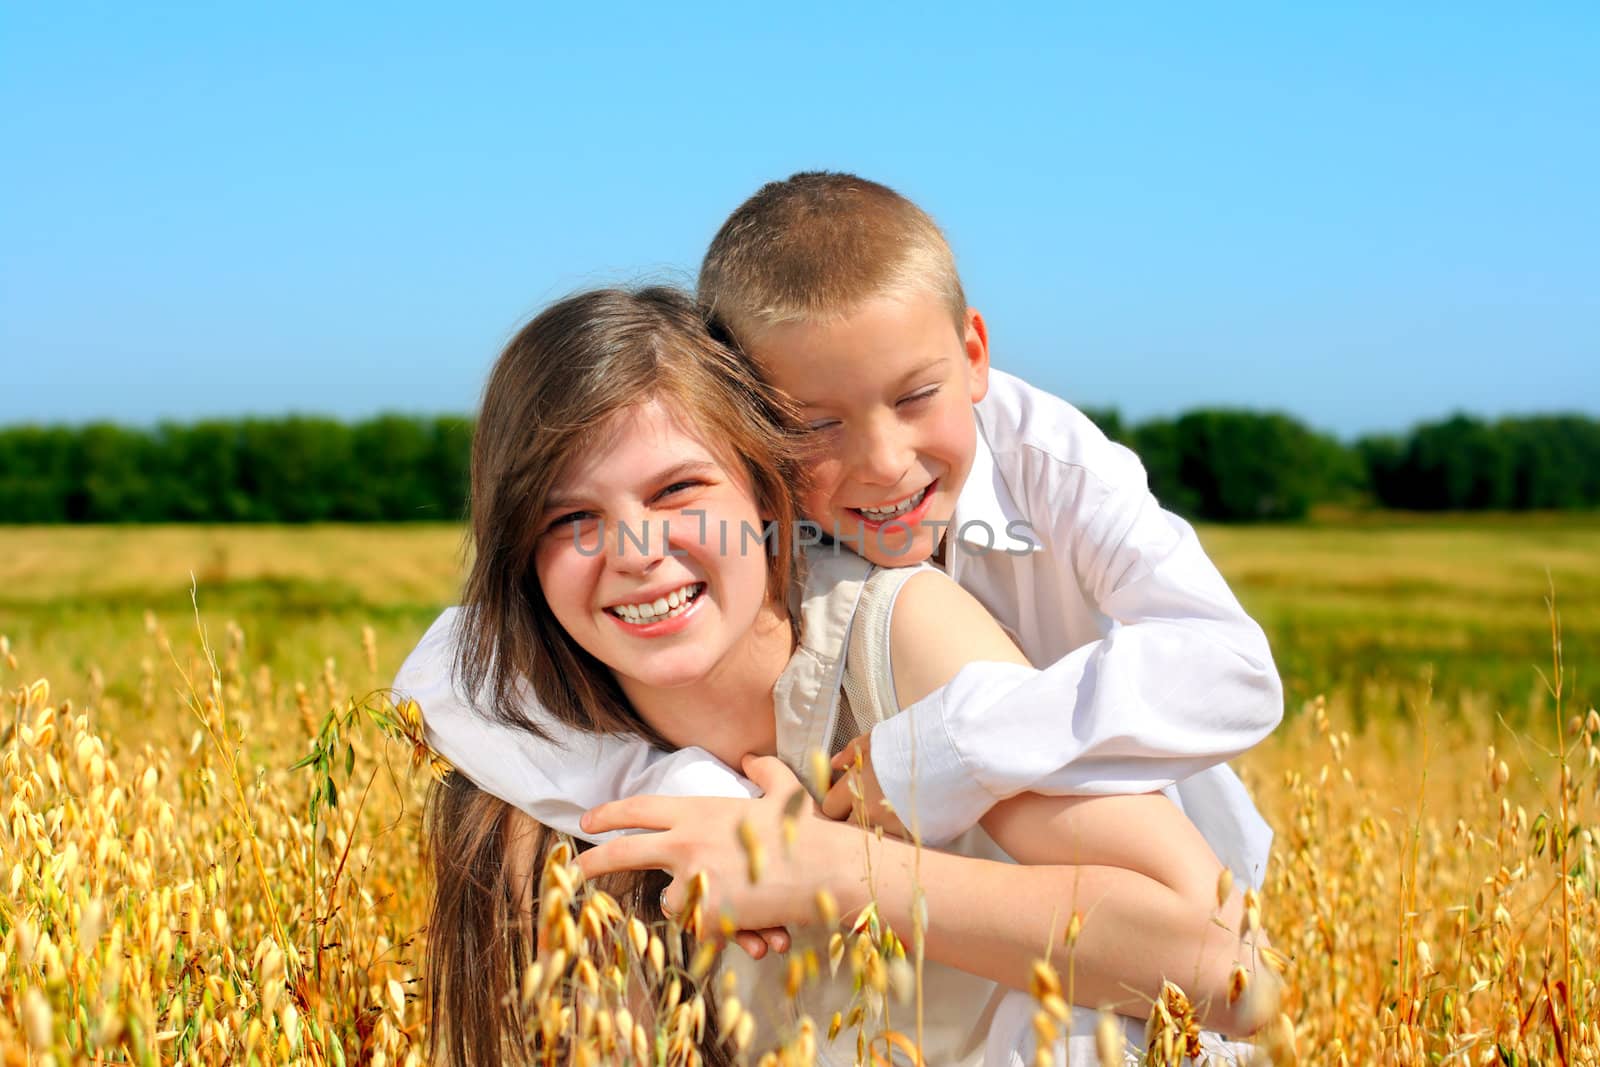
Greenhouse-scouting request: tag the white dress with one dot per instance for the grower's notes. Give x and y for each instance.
(836, 686)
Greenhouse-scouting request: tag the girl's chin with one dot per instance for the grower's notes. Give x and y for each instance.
(668, 676)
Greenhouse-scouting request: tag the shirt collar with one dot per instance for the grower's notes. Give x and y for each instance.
(986, 515)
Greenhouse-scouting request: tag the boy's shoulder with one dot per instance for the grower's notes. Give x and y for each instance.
(1031, 430)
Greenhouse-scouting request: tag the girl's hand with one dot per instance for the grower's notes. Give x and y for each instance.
(752, 873)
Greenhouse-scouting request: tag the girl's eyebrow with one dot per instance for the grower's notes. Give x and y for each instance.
(671, 474)
(687, 467)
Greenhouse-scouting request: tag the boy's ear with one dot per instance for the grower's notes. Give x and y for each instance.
(976, 343)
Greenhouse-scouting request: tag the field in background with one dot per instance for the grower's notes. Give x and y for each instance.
(1437, 895)
(1368, 607)
(1393, 598)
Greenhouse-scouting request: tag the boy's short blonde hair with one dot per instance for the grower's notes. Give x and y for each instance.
(815, 246)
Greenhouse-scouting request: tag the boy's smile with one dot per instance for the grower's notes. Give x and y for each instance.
(887, 392)
(909, 511)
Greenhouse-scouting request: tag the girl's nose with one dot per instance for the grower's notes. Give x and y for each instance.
(637, 544)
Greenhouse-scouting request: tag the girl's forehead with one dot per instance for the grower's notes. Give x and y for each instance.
(634, 442)
(659, 425)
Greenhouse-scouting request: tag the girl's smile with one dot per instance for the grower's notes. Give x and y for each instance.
(661, 615)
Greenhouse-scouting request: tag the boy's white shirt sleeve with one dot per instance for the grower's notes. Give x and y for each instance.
(553, 781)
(1183, 681)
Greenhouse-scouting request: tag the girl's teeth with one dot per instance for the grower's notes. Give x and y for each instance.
(673, 604)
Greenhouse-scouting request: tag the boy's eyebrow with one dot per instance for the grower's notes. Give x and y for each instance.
(935, 362)
(556, 502)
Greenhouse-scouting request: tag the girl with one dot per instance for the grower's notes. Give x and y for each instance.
(632, 518)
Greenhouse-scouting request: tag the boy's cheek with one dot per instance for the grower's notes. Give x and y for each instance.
(958, 442)
(816, 503)
(814, 508)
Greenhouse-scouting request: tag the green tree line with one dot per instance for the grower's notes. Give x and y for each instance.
(297, 469)
(1216, 464)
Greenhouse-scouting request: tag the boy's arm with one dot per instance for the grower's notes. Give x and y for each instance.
(1152, 910)
(1183, 681)
(553, 781)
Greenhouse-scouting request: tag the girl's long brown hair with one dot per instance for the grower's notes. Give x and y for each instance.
(554, 390)
(555, 387)
(486, 857)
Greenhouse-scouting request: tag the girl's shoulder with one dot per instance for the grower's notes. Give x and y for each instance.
(845, 598)
(888, 636)
(845, 606)
(933, 629)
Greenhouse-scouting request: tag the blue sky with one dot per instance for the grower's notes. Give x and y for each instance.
(1362, 215)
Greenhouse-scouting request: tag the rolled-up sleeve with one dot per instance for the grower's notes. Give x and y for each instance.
(555, 780)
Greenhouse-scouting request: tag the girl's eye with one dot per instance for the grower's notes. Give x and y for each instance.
(918, 396)
(822, 425)
(571, 518)
(678, 487)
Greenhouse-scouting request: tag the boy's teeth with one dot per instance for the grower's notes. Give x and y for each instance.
(904, 506)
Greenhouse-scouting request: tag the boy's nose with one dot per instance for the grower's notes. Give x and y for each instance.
(884, 458)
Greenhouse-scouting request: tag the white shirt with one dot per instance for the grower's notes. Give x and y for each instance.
(1157, 675)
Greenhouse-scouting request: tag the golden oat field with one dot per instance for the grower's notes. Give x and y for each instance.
(174, 889)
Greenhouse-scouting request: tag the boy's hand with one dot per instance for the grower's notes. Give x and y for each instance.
(762, 860)
(857, 789)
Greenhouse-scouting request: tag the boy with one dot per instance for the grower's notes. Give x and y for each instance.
(846, 295)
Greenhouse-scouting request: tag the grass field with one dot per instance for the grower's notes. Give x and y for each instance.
(170, 895)
(1357, 606)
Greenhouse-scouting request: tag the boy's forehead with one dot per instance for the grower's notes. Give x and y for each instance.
(883, 341)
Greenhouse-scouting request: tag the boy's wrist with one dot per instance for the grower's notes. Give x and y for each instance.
(943, 799)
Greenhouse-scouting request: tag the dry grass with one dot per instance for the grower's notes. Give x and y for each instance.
(171, 890)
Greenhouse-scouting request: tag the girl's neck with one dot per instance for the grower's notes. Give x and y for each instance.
(729, 711)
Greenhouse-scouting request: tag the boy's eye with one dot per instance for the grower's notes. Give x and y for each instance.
(918, 396)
